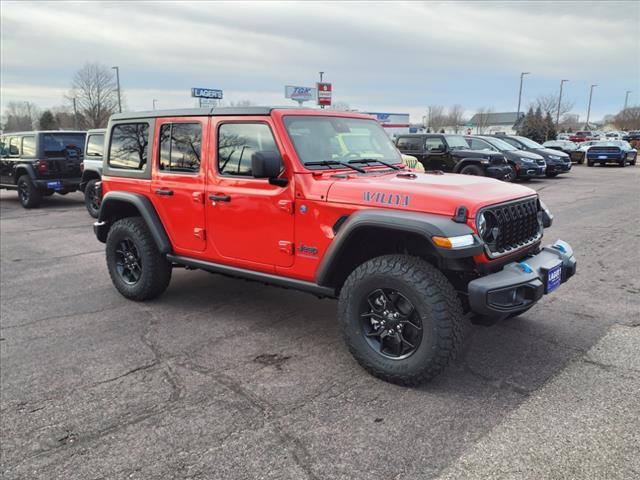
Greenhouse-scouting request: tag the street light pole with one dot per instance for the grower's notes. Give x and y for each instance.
(75, 114)
(118, 84)
(520, 94)
(560, 102)
(626, 99)
(589, 108)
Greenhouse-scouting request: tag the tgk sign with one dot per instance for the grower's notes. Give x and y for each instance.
(324, 93)
(299, 94)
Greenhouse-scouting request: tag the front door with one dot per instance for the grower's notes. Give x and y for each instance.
(178, 179)
(251, 221)
(435, 151)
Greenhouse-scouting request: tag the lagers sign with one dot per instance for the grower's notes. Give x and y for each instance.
(206, 93)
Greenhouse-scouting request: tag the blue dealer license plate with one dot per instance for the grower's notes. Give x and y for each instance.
(54, 185)
(602, 157)
(554, 277)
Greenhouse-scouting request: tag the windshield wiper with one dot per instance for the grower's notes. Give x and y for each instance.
(373, 160)
(328, 163)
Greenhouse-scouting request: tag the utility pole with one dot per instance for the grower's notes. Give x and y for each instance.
(321, 75)
(154, 103)
(589, 108)
(118, 84)
(626, 99)
(520, 94)
(559, 102)
(75, 114)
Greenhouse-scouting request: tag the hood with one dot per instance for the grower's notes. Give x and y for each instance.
(524, 154)
(551, 151)
(426, 192)
(464, 152)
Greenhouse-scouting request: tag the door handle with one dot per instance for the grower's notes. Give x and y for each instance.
(164, 192)
(220, 198)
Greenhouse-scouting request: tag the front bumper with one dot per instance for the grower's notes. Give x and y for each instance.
(519, 285)
(530, 171)
(559, 167)
(60, 185)
(498, 172)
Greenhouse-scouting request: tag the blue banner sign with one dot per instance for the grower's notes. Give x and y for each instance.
(206, 93)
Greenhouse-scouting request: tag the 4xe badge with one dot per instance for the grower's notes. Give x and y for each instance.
(394, 199)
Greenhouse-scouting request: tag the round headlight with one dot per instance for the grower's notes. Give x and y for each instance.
(482, 225)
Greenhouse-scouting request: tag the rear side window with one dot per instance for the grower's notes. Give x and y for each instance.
(410, 143)
(95, 145)
(29, 146)
(129, 146)
(512, 142)
(237, 142)
(180, 145)
(14, 146)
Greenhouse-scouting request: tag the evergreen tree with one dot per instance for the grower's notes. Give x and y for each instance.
(47, 121)
(539, 127)
(527, 125)
(550, 133)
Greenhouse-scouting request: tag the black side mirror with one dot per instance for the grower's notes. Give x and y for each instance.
(267, 164)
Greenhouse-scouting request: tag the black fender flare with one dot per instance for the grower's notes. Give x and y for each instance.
(424, 224)
(87, 176)
(469, 161)
(111, 209)
(24, 166)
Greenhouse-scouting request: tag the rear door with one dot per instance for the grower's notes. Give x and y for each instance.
(178, 179)
(435, 149)
(251, 220)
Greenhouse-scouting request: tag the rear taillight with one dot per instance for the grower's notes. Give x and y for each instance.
(42, 166)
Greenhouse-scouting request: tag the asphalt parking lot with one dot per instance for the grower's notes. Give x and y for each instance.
(227, 379)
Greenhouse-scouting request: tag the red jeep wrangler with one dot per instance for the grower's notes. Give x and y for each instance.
(319, 201)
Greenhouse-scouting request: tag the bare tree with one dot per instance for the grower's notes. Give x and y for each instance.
(482, 118)
(435, 117)
(628, 119)
(96, 94)
(20, 116)
(549, 104)
(64, 117)
(455, 117)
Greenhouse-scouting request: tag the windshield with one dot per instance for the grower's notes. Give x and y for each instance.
(456, 142)
(528, 142)
(499, 144)
(583, 134)
(61, 142)
(321, 139)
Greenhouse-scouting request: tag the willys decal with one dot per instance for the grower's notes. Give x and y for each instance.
(394, 199)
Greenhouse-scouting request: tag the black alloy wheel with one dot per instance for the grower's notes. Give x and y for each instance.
(128, 262)
(91, 199)
(390, 324)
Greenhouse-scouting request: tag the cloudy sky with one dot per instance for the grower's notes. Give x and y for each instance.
(390, 57)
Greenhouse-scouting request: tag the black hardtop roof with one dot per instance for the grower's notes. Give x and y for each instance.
(33, 132)
(194, 112)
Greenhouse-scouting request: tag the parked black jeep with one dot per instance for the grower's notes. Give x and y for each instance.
(451, 153)
(41, 163)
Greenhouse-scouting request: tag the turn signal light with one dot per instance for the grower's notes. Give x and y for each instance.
(453, 242)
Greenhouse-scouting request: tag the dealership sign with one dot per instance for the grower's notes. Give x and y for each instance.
(206, 93)
(324, 93)
(299, 94)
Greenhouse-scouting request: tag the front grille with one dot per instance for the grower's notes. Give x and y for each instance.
(517, 224)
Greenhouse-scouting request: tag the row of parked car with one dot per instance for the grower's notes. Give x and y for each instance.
(40, 163)
(509, 157)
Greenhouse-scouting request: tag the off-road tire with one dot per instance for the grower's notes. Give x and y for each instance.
(435, 301)
(472, 170)
(28, 194)
(89, 200)
(156, 270)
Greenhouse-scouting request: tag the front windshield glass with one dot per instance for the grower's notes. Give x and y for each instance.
(528, 142)
(499, 144)
(456, 142)
(339, 139)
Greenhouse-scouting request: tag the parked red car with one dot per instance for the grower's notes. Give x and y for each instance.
(584, 136)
